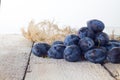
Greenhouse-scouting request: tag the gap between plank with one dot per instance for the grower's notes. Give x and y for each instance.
(27, 63)
(109, 71)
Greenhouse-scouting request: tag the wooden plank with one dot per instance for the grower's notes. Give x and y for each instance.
(114, 69)
(53, 69)
(14, 53)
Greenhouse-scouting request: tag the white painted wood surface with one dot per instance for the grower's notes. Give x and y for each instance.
(114, 69)
(53, 69)
(14, 53)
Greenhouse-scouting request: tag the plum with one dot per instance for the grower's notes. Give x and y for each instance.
(95, 25)
(56, 51)
(114, 55)
(85, 32)
(114, 40)
(111, 45)
(71, 39)
(57, 42)
(72, 53)
(96, 55)
(101, 39)
(40, 49)
(86, 44)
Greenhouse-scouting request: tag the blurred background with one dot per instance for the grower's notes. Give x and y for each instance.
(15, 14)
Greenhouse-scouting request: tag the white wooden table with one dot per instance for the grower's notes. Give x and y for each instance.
(18, 63)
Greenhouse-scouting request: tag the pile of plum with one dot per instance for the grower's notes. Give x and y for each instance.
(90, 43)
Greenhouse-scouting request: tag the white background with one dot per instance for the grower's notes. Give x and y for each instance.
(15, 14)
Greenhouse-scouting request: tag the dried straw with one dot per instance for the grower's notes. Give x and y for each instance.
(46, 31)
(114, 37)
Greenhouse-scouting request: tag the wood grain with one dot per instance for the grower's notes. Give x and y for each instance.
(53, 69)
(114, 69)
(14, 53)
